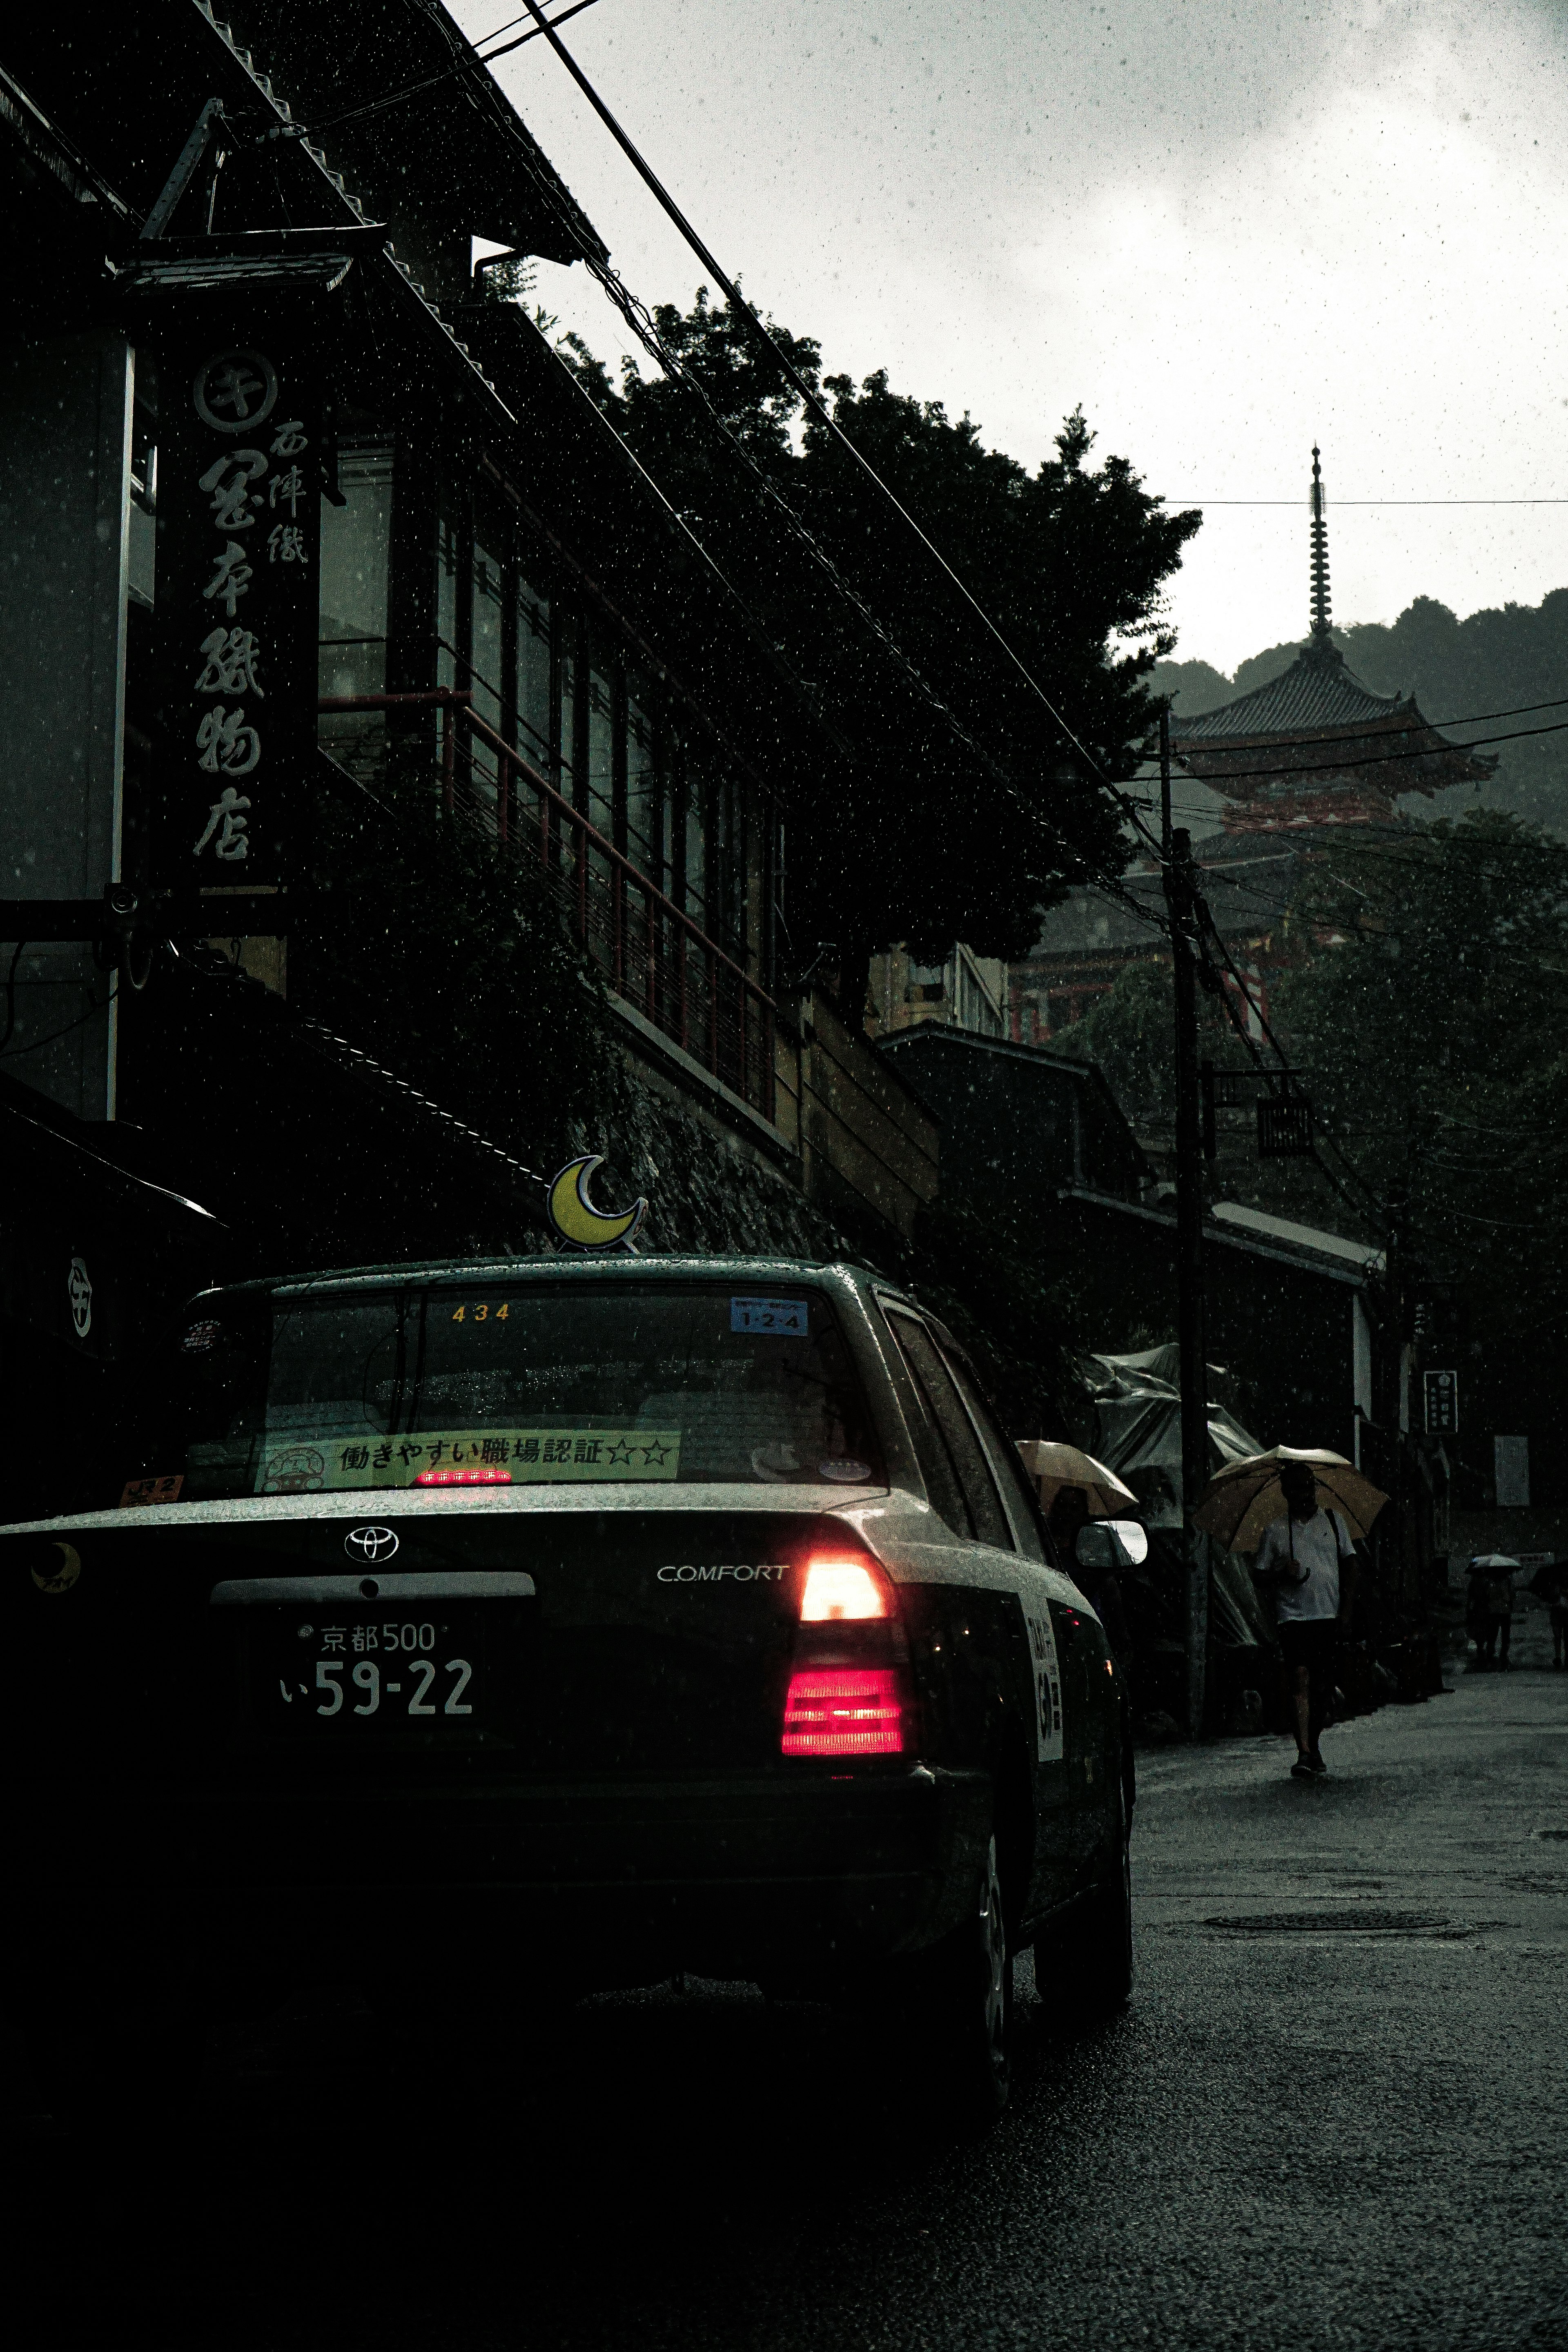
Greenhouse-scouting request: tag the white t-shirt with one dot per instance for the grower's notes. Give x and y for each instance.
(1319, 1544)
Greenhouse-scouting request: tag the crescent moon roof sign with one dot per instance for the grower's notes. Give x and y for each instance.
(575, 1218)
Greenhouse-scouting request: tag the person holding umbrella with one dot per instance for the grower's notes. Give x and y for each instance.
(1310, 1555)
(1302, 1511)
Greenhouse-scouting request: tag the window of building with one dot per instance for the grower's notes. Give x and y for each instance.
(535, 725)
(645, 788)
(356, 540)
(600, 732)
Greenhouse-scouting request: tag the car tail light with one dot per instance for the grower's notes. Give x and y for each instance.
(839, 1589)
(487, 1476)
(843, 1711)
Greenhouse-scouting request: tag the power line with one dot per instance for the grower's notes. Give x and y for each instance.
(636, 316)
(1373, 760)
(1171, 501)
(448, 73)
(1366, 729)
(35, 1044)
(809, 398)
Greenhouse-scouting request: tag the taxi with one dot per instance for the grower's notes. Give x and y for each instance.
(567, 1624)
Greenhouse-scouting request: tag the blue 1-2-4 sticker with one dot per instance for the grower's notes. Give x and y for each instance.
(780, 1318)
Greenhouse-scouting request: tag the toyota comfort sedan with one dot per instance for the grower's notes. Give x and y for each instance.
(566, 1623)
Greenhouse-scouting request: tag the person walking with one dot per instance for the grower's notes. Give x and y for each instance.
(1310, 1557)
(1492, 1609)
(1557, 1602)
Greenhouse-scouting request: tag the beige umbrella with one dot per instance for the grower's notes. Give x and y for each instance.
(1240, 1500)
(1054, 1465)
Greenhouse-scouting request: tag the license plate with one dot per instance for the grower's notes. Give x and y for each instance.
(349, 1674)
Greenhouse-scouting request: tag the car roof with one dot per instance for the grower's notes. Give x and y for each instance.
(416, 1272)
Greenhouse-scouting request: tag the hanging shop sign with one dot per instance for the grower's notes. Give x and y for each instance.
(1285, 1128)
(238, 552)
(1441, 1395)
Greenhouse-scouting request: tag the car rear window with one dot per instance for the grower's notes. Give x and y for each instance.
(520, 1384)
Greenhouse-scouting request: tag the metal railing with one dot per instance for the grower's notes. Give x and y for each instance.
(651, 954)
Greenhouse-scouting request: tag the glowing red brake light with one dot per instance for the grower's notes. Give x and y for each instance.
(843, 1711)
(840, 1588)
(487, 1476)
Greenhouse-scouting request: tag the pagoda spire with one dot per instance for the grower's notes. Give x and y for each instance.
(1322, 633)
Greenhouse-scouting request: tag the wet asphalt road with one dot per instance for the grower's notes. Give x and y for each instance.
(1333, 2116)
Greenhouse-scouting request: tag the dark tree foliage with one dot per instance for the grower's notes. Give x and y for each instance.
(919, 829)
(1433, 1010)
(1429, 1002)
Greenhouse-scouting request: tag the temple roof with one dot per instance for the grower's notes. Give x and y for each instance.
(1319, 689)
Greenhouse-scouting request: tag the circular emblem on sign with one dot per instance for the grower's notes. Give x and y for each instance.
(235, 391)
(58, 1574)
(297, 1470)
(370, 1543)
(79, 1289)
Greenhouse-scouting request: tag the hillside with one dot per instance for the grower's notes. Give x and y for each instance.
(1494, 660)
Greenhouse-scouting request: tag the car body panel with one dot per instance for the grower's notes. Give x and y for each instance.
(626, 1788)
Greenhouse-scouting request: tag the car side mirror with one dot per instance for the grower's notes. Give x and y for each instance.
(1111, 1543)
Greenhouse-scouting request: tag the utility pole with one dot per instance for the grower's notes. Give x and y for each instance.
(1180, 897)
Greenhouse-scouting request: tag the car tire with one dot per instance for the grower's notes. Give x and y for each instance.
(1094, 1964)
(958, 1998)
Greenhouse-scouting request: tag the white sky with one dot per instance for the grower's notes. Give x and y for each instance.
(1226, 227)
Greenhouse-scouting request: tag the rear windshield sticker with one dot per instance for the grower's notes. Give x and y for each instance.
(152, 1490)
(845, 1473)
(780, 1318)
(439, 1458)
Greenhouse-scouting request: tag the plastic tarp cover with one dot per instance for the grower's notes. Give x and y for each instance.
(1139, 1410)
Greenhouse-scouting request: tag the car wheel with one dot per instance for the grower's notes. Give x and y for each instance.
(960, 1995)
(1095, 1962)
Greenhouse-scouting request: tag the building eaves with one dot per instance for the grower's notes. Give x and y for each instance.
(971, 1041)
(397, 89)
(1219, 1237)
(1366, 1255)
(1318, 690)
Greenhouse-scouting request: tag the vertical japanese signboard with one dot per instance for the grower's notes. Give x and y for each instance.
(1442, 1397)
(237, 600)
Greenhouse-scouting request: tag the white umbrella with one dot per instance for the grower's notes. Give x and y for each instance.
(1054, 1465)
(1240, 1500)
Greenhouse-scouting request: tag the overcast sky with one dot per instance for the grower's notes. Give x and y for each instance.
(1226, 227)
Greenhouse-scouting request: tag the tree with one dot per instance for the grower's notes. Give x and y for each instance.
(957, 806)
(1433, 1011)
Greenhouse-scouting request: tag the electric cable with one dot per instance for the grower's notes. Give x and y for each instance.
(637, 317)
(35, 1044)
(11, 994)
(1366, 502)
(1372, 760)
(1368, 729)
(809, 398)
(448, 73)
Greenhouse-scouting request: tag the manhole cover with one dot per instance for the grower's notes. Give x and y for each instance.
(1349, 1920)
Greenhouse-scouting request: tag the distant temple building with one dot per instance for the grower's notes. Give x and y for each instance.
(1315, 747)
(1309, 753)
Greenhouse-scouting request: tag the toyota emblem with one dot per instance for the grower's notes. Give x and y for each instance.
(370, 1543)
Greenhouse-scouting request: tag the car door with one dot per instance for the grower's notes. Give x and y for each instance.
(966, 1486)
